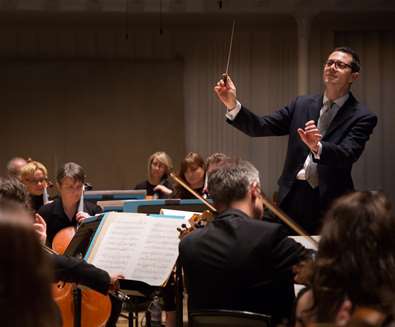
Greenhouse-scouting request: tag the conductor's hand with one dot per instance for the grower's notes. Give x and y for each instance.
(114, 284)
(310, 135)
(226, 92)
(81, 215)
(40, 227)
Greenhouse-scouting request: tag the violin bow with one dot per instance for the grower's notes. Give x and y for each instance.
(183, 184)
(288, 221)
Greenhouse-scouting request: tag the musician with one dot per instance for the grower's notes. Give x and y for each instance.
(239, 262)
(355, 265)
(158, 185)
(327, 134)
(64, 211)
(14, 167)
(35, 175)
(192, 172)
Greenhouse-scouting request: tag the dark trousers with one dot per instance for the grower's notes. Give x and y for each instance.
(302, 204)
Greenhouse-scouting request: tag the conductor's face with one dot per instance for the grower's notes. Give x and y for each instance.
(337, 72)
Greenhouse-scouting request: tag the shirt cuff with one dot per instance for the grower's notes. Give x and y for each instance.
(318, 153)
(232, 113)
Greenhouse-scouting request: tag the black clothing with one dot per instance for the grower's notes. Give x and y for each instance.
(342, 145)
(56, 219)
(182, 193)
(69, 269)
(239, 263)
(146, 185)
(36, 202)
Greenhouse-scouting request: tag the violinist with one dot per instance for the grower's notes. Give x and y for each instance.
(192, 172)
(35, 175)
(248, 261)
(63, 211)
(158, 185)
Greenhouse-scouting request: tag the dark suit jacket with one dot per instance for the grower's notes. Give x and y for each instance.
(239, 263)
(342, 145)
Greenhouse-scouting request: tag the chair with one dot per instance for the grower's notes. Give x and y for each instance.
(227, 318)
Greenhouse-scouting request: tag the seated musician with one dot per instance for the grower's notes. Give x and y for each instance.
(64, 211)
(192, 172)
(34, 175)
(213, 161)
(239, 262)
(158, 185)
(355, 263)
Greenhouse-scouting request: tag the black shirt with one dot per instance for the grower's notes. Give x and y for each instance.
(146, 185)
(36, 202)
(56, 219)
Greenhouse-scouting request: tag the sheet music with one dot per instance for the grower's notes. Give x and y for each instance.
(305, 242)
(140, 247)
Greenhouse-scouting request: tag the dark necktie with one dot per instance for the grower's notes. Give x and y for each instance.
(326, 116)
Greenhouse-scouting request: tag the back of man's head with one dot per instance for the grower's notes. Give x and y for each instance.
(231, 182)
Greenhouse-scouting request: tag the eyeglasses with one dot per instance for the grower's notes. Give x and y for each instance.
(338, 64)
(36, 181)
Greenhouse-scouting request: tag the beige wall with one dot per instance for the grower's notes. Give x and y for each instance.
(263, 64)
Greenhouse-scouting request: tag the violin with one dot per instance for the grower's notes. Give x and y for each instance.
(196, 221)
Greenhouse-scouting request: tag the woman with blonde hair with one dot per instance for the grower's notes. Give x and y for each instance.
(35, 177)
(157, 184)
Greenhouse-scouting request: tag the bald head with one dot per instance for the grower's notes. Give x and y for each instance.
(14, 166)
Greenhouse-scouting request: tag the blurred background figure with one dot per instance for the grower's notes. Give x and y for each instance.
(157, 184)
(355, 265)
(192, 172)
(14, 167)
(25, 274)
(213, 162)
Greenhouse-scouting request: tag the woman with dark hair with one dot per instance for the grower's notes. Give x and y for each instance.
(64, 211)
(157, 184)
(192, 172)
(25, 274)
(355, 265)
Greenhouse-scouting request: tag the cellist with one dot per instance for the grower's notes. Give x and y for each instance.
(64, 211)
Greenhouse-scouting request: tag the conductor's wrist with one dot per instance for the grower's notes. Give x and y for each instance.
(232, 105)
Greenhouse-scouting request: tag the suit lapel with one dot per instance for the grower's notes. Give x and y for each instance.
(342, 115)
